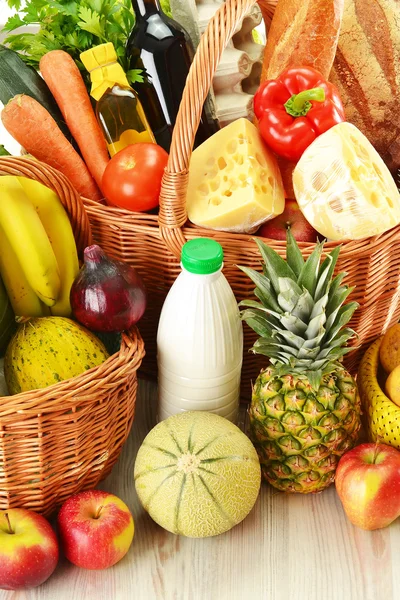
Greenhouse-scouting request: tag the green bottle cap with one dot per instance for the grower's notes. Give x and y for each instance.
(202, 256)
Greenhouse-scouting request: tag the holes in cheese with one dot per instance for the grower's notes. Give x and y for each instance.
(353, 172)
(222, 164)
(376, 201)
(344, 188)
(261, 160)
(232, 147)
(234, 181)
(336, 204)
(319, 180)
(378, 172)
(214, 184)
(389, 201)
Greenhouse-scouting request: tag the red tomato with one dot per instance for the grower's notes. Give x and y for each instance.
(132, 178)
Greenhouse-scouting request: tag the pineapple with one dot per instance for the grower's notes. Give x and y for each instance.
(305, 408)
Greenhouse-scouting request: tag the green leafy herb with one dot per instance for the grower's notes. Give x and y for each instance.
(14, 4)
(3, 151)
(73, 26)
(135, 75)
(166, 7)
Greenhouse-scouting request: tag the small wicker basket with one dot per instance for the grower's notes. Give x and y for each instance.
(381, 414)
(59, 440)
(153, 243)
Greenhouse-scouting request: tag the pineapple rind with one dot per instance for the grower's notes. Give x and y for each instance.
(299, 433)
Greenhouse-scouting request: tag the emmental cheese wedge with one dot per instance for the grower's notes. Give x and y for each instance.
(344, 188)
(234, 181)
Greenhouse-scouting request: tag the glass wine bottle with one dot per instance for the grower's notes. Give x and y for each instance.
(162, 48)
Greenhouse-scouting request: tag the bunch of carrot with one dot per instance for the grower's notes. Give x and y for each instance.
(34, 128)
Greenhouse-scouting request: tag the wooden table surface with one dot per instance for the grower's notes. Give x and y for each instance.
(290, 547)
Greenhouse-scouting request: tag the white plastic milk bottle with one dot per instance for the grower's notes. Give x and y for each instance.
(200, 337)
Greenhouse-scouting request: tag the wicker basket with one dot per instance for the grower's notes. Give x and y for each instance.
(381, 414)
(153, 243)
(59, 440)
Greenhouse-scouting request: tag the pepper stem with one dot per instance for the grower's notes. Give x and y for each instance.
(299, 104)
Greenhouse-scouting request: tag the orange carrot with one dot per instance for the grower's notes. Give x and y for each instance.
(32, 126)
(66, 84)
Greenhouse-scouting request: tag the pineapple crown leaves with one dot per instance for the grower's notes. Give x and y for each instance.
(300, 317)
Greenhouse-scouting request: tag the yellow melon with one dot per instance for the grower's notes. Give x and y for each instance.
(197, 474)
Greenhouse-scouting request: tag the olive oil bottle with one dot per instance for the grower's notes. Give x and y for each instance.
(162, 48)
(118, 109)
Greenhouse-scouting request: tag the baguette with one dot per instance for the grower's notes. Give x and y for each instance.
(367, 72)
(303, 33)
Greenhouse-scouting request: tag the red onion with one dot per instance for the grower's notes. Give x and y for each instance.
(107, 295)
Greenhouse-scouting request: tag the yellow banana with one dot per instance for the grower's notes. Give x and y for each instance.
(59, 231)
(24, 301)
(24, 230)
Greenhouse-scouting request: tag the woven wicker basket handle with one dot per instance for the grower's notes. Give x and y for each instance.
(220, 30)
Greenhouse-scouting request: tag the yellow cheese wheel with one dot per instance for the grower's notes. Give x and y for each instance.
(234, 181)
(344, 188)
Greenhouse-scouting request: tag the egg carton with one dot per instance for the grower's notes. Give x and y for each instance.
(238, 74)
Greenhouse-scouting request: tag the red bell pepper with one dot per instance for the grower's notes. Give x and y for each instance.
(294, 109)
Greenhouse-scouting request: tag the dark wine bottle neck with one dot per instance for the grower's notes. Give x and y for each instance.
(145, 8)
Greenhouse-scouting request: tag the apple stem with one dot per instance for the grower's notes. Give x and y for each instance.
(10, 529)
(376, 452)
(97, 515)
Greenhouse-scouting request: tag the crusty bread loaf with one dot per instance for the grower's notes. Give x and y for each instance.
(303, 32)
(367, 72)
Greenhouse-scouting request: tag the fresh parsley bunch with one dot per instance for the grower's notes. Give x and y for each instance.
(73, 26)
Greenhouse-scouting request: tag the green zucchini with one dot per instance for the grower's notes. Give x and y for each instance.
(18, 78)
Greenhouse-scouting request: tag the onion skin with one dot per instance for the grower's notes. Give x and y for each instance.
(108, 295)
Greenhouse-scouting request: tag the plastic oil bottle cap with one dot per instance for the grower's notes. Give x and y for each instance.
(202, 256)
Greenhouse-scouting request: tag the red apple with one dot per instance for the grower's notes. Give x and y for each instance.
(28, 549)
(291, 217)
(368, 483)
(96, 529)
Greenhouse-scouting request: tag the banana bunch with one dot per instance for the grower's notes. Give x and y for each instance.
(38, 257)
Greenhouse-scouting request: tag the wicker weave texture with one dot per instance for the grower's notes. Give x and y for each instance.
(59, 440)
(153, 244)
(373, 266)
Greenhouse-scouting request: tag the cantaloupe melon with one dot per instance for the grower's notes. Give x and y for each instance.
(197, 474)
